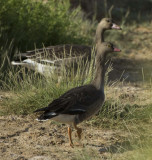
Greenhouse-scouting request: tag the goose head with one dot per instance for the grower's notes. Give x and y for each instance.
(107, 23)
(105, 48)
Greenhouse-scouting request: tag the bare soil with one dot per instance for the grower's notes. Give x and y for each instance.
(22, 137)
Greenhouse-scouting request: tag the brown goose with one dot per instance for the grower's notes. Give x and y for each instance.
(80, 103)
(56, 55)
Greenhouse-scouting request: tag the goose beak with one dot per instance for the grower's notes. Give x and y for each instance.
(116, 50)
(115, 26)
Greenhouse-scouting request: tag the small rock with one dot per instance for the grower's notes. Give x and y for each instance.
(102, 150)
(42, 128)
(52, 143)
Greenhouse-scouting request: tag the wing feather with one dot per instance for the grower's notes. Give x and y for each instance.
(75, 100)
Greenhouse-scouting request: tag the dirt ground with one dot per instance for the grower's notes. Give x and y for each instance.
(22, 137)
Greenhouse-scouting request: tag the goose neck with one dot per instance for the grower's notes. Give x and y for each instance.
(98, 81)
(100, 34)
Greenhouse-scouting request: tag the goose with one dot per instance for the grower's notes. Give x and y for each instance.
(66, 54)
(80, 103)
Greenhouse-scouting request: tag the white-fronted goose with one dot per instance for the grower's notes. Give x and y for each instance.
(80, 103)
(56, 55)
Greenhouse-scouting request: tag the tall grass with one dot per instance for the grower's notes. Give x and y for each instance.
(32, 90)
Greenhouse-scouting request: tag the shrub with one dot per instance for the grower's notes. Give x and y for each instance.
(31, 24)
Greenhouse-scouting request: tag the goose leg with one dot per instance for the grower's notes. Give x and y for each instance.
(79, 131)
(70, 137)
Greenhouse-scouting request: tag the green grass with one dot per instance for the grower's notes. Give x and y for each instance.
(140, 129)
(136, 144)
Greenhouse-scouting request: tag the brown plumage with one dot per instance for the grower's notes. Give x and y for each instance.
(80, 103)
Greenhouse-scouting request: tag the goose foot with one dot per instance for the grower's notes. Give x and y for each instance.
(70, 137)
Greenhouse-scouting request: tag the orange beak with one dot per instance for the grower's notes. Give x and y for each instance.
(116, 50)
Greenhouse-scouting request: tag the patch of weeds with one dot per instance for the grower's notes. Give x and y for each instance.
(111, 113)
(32, 91)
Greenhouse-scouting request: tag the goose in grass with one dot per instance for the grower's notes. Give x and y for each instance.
(66, 54)
(80, 103)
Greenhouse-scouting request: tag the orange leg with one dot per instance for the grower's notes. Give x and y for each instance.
(70, 137)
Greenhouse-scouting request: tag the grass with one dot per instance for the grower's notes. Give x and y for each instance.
(32, 91)
(134, 140)
(139, 126)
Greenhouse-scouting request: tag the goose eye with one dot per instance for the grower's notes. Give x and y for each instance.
(108, 21)
(109, 45)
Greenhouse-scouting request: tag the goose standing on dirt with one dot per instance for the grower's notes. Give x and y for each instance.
(66, 54)
(80, 103)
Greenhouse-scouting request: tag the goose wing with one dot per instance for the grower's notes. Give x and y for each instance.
(75, 101)
(58, 52)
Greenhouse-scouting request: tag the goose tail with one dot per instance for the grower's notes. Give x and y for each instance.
(46, 116)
